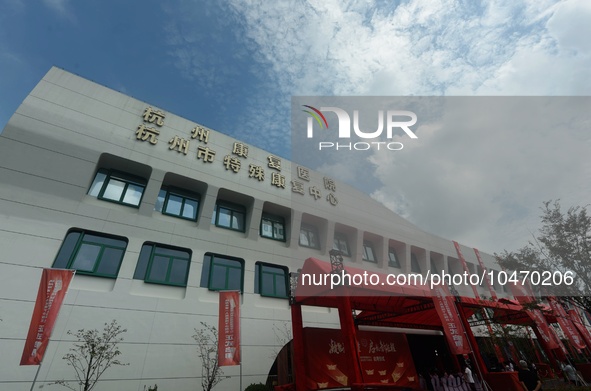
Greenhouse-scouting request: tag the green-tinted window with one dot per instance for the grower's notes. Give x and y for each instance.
(309, 236)
(178, 203)
(368, 253)
(271, 280)
(230, 216)
(393, 258)
(222, 273)
(340, 243)
(91, 253)
(273, 227)
(117, 187)
(163, 265)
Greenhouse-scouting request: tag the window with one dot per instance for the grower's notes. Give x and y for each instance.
(91, 253)
(368, 253)
(230, 216)
(340, 243)
(433, 267)
(393, 258)
(309, 236)
(222, 273)
(271, 280)
(479, 270)
(117, 187)
(178, 203)
(273, 227)
(414, 264)
(163, 265)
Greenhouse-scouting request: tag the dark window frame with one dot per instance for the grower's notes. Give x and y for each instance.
(68, 253)
(367, 244)
(309, 229)
(209, 269)
(274, 220)
(338, 240)
(281, 278)
(233, 208)
(128, 179)
(185, 195)
(144, 266)
(393, 263)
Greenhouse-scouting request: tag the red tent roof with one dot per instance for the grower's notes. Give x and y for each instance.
(393, 305)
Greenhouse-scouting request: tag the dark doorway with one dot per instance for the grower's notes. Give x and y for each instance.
(430, 352)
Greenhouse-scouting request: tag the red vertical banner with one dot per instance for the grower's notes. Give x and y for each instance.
(452, 325)
(52, 290)
(525, 298)
(565, 323)
(578, 322)
(493, 294)
(229, 329)
(465, 266)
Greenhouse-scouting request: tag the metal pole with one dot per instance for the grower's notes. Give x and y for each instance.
(36, 374)
(241, 342)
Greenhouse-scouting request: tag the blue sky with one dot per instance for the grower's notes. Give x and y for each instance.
(234, 65)
(183, 57)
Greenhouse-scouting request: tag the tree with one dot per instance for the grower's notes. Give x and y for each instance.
(563, 245)
(283, 335)
(92, 354)
(207, 348)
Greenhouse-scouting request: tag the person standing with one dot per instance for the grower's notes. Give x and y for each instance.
(469, 378)
(445, 381)
(570, 373)
(435, 381)
(528, 379)
(452, 382)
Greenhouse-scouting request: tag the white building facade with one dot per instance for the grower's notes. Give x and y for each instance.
(158, 213)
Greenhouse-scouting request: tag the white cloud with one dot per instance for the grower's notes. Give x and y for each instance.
(481, 174)
(468, 183)
(556, 62)
(570, 25)
(417, 48)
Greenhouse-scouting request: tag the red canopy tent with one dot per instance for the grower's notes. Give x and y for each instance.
(381, 304)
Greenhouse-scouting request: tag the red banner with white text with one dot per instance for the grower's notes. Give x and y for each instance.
(229, 329)
(578, 322)
(493, 294)
(52, 290)
(565, 323)
(452, 324)
(465, 266)
(524, 298)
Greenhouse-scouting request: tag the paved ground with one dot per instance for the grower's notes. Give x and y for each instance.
(559, 383)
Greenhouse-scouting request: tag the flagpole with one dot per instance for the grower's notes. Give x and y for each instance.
(240, 336)
(37, 374)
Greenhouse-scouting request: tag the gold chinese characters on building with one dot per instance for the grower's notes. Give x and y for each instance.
(154, 122)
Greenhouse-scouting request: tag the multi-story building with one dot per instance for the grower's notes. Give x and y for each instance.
(157, 213)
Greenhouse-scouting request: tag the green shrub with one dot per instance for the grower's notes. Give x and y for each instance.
(256, 387)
